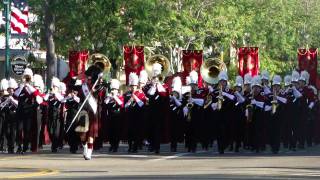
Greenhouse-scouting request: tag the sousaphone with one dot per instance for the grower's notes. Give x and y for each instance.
(100, 61)
(165, 63)
(211, 68)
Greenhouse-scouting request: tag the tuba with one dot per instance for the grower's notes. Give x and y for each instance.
(210, 70)
(100, 61)
(165, 63)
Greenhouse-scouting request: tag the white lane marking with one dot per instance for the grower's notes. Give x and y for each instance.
(119, 155)
(177, 156)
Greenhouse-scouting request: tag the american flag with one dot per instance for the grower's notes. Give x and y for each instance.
(19, 17)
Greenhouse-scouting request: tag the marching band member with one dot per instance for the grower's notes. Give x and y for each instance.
(247, 92)
(287, 114)
(39, 114)
(114, 103)
(135, 100)
(62, 115)
(193, 111)
(208, 130)
(72, 104)
(307, 105)
(176, 114)
(10, 115)
(144, 85)
(278, 104)
(239, 116)
(265, 82)
(258, 111)
(54, 112)
(29, 98)
(224, 106)
(295, 96)
(4, 96)
(89, 128)
(158, 99)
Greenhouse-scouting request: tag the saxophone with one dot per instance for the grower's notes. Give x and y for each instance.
(208, 101)
(249, 108)
(189, 106)
(274, 102)
(220, 99)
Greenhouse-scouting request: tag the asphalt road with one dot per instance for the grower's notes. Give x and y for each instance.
(302, 164)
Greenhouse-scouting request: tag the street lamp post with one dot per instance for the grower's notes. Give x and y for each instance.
(7, 51)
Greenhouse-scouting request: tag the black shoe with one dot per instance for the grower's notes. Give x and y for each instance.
(110, 149)
(221, 152)
(19, 150)
(173, 149)
(54, 150)
(157, 151)
(10, 151)
(115, 150)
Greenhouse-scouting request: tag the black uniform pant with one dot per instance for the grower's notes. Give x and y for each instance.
(71, 136)
(274, 131)
(2, 130)
(114, 131)
(10, 129)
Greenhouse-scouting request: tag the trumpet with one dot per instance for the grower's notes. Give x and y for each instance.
(274, 102)
(220, 98)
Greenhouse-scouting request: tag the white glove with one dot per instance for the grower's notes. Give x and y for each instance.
(267, 108)
(247, 113)
(282, 99)
(210, 89)
(139, 102)
(185, 111)
(176, 101)
(266, 90)
(214, 106)
(229, 96)
(253, 101)
(152, 90)
(39, 99)
(311, 105)
(197, 101)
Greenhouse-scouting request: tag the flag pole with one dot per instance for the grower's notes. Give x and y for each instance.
(7, 51)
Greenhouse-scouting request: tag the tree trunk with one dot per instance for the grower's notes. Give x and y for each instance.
(49, 31)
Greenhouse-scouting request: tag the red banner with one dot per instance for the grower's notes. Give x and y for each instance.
(77, 62)
(133, 59)
(248, 61)
(191, 60)
(307, 60)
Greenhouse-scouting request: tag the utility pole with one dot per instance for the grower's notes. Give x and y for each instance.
(7, 51)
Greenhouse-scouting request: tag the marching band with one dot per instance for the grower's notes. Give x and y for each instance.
(250, 114)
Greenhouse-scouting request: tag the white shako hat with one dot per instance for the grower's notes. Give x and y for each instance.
(239, 81)
(13, 83)
(223, 75)
(276, 80)
(143, 77)
(247, 78)
(176, 84)
(265, 75)
(192, 78)
(133, 79)
(287, 80)
(295, 76)
(114, 84)
(256, 81)
(304, 76)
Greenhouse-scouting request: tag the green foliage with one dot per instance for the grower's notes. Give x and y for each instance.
(277, 27)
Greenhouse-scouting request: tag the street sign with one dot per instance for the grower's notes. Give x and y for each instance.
(18, 65)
